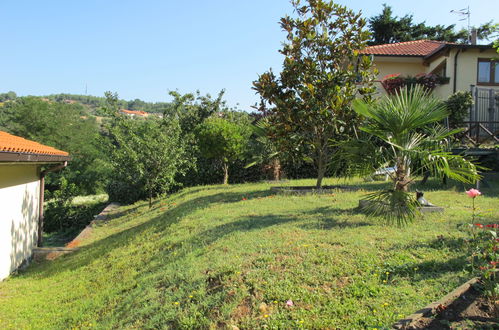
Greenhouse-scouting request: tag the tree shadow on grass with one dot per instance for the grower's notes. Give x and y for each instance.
(330, 217)
(162, 223)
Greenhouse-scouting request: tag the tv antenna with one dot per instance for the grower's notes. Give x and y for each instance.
(465, 14)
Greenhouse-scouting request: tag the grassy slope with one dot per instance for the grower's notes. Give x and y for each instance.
(207, 257)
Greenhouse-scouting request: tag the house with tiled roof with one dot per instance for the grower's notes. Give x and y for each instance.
(23, 165)
(135, 113)
(461, 67)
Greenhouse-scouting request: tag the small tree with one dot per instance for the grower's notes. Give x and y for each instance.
(223, 140)
(308, 105)
(146, 156)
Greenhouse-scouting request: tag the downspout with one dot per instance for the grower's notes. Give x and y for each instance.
(42, 197)
(455, 70)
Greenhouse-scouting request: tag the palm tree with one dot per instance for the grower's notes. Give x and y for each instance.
(402, 130)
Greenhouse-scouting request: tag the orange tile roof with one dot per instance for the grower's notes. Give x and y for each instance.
(133, 112)
(421, 48)
(12, 143)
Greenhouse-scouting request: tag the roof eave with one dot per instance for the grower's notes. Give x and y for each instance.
(19, 157)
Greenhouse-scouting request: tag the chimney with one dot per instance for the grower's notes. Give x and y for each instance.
(473, 36)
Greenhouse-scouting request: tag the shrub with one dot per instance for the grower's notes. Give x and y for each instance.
(458, 105)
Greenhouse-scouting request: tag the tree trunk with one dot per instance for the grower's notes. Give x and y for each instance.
(276, 164)
(401, 177)
(226, 173)
(150, 198)
(321, 170)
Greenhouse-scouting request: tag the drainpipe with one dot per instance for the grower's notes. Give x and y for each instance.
(455, 70)
(42, 197)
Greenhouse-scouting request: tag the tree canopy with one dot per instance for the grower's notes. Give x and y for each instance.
(387, 28)
(308, 104)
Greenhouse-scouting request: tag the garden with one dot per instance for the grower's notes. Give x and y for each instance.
(273, 219)
(242, 256)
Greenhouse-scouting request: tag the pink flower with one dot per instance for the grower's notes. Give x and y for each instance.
(289, 303)
(473, 193)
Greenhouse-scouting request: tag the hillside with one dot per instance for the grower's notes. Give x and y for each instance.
(218, 256)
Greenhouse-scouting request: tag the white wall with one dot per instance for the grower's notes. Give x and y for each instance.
(19, 204)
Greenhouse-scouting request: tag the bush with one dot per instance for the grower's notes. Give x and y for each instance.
(394, 82)
(61, 214)
(458, 105)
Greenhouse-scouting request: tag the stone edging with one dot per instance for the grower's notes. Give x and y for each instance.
(410, 320)
(302, 190)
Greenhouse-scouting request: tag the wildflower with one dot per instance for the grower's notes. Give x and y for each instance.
(384, 281)
(191, 296)
(301, 321)
(387, 273)
(289, 303)
(479, 225)
(375, 274)
(244, 198)
(473, 193)
(385, 304)
(266, 315)
(176, 303)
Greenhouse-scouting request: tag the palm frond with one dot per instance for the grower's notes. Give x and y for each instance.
(394, 207)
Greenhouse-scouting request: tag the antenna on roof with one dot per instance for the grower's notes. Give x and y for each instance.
(465, 14)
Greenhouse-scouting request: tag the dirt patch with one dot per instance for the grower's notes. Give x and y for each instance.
(471, 310)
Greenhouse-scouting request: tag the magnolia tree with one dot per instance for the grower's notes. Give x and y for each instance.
(309, 104)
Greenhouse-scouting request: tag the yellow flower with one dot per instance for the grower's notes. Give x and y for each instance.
(275, 301)
(191, 296)
(266, 315)
(385, 304)
(301, 321)
(387, 273)
(176, 303)
(384, 281)
(375, 274)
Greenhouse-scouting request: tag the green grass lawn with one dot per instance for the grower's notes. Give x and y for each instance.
(220, 256)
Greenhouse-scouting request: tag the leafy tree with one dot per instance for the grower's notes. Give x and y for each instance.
(63, 126)
(308, 105)
(9, 96)
(402, 132)
(146, 156)
(223, 140)
(386, 28)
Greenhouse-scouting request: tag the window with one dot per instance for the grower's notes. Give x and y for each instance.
(488, 72)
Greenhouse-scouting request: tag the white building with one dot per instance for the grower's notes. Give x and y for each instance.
(23, 164)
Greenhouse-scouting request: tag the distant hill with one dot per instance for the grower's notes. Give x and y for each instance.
(93, 103)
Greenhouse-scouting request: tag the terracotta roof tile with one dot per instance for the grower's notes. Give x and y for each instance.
(12, 143)
(421, 48)
(133, 112)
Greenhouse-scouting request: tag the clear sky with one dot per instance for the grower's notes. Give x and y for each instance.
(142, 49)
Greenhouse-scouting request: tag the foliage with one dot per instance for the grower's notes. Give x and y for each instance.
(267, 153)
(206, 258)
(483, 249)
(223, 140)
(64, 126)
(458, 105)
(95, 103)
(309, 103)
(146, 155)
(392, 83)
(386, 28)
(62, 214)
(404, 133)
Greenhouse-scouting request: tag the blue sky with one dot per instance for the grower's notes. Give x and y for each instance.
(142, 49)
